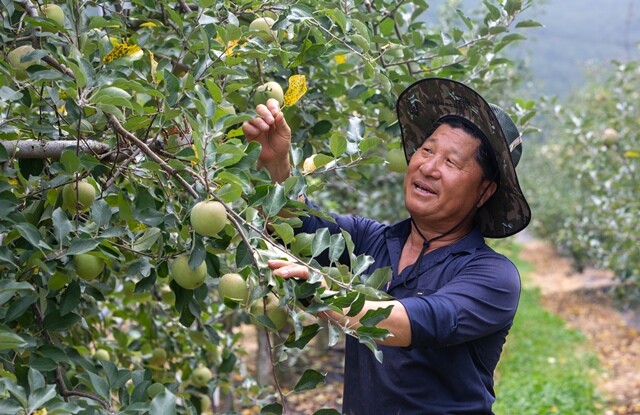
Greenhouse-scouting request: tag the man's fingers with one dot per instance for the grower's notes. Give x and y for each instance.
(274, 106)
(287, 269)
(266, 113)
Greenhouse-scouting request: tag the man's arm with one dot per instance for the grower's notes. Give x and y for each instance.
(397, 323)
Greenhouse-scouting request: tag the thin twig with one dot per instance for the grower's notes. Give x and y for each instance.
(149, 153)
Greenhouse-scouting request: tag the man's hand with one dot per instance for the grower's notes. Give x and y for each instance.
(271, 130)
(397, 323)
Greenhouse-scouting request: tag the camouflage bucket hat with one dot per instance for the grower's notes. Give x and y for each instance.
(425, 102)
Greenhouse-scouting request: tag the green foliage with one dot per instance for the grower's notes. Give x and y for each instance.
(584, 179)
(546, 367)
(140, 98)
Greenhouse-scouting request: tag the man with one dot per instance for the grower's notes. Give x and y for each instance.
(454, 297)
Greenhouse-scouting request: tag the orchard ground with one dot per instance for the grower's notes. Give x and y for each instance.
(581, 299)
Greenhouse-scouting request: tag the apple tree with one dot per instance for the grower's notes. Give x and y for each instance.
(588, 197)
(119, 120)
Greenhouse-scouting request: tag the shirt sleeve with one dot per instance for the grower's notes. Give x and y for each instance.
(480, 299)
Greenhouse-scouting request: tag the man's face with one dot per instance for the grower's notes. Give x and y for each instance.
(443, 183)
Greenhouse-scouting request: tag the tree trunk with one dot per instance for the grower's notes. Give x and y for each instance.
(264, 368)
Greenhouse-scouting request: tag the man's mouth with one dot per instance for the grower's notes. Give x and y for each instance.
(422, 188)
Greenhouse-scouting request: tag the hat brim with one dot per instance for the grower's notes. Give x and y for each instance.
(424, 103)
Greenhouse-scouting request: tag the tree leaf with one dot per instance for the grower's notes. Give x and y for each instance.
(56, 322)
(379, 278)
(147, 240)
(9, 288)
(272, 409)
(61, 226)
(31, 234)
(321, 242)
(163, 403)
(70, 298)
(336, 247)
(81, 246)
(275, 200)
(19, 307)
(70, 160)
(39, 397)
(101, 212)
(337, 145)
(35, 379)
(11, 341)
(296, 90)
(308, 333)
(309, 380)
(112, 95)
(326, 412)
(373, 317)
(100, 385)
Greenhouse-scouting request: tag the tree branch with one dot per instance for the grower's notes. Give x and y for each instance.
(39, 149)
(149, 153)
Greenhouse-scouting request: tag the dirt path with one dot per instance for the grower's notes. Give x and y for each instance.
(581, 299)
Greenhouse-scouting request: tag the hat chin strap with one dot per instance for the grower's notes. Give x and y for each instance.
(427, 242)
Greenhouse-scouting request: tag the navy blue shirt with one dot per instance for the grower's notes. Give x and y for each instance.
(461, 303)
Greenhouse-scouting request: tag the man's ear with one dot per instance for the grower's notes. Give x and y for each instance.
(491, 188)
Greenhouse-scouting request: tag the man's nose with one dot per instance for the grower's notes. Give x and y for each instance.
(431, 166)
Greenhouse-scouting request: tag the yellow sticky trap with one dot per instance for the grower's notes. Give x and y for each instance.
(297, 88)
(340, 59)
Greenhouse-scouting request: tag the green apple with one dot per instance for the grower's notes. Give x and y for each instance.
(53, 12)
(610, 136)
(158, 357)
(80, 196)
(15, 56)
(275, 313)
(234, 287)
(396, 160)
(88, 266)
(262, 27)
(205, 404)
(15, 60)
(201, 376)
(208, 217)
(309, 165)
(269, 90)
(185, 276)
(101, 354)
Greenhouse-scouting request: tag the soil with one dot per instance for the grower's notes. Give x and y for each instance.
(582, 298)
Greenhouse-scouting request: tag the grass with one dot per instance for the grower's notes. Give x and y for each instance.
(546, 368)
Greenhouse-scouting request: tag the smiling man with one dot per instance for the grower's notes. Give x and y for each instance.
(454, 297)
